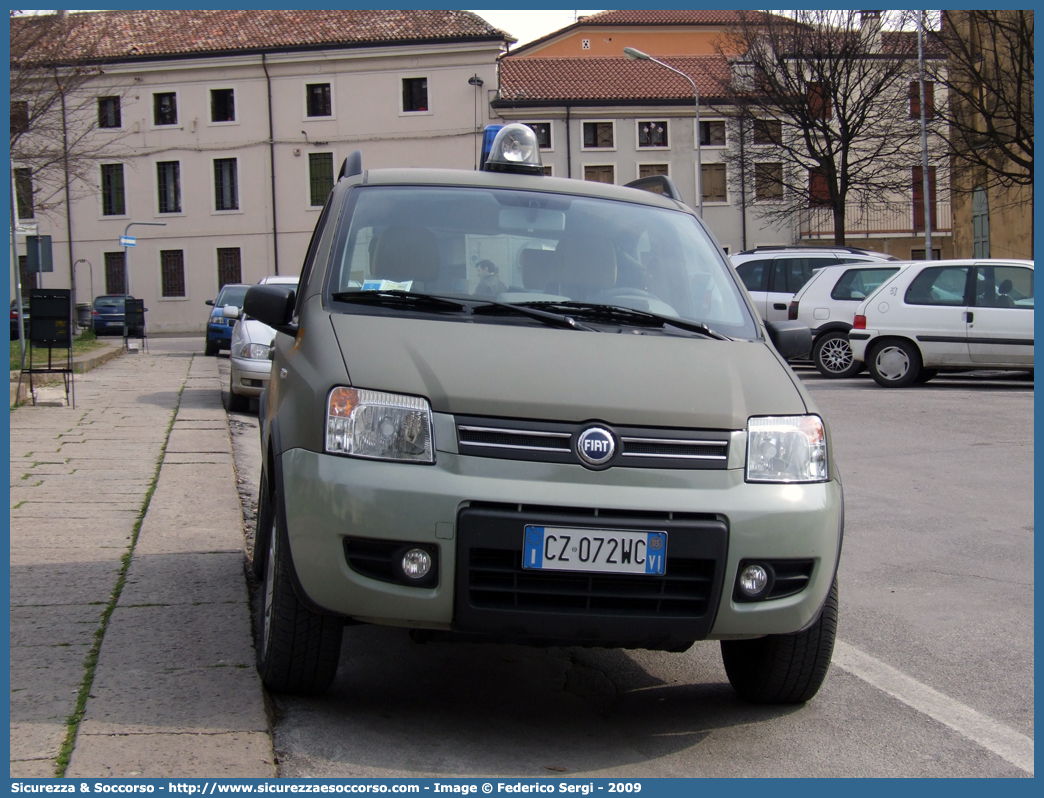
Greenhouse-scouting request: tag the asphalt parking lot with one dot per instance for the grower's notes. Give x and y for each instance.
(932, 675)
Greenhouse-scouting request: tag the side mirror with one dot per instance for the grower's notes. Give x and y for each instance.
(792, 339)
(272, 305)
(230, 312)
(210, 302)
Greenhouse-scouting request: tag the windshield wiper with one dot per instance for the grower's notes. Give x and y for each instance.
(624, 314)
(403, 298)
(524, 309)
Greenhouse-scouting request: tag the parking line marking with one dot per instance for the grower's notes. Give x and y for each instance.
(992, 735)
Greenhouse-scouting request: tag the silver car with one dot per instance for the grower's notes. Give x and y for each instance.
(251, 353)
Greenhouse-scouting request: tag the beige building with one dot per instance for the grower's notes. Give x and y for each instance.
(229, 128)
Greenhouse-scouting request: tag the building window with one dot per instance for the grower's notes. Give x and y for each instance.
(320, 177)
(113, 200)
(19, 117)
(165, 108)
(768, 181)
(114, 273)
(915, 99)
(28, 277)
(318, 99)
(712, 134)
(230, 267)
(168, 183)
(768, 132)
(414, 94)
(652, 169)
(818, 189)
(24, 193)
(226, 184)
(918, 197)
(980, 223)
(712, 182)
(598, 135)
(652, 134)
(600, 174)
(543, 133)
(109, 112)
(819, 101)
(549, 171)
(172, 269)
(222, 105)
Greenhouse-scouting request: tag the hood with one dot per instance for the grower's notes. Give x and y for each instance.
(535, 372)
(256, 332)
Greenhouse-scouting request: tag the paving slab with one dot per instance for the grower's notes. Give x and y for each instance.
(228, 755)
(187, 578)
(60, 625)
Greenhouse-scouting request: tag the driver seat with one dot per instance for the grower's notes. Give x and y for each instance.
(584, 265)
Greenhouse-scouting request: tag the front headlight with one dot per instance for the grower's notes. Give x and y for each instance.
(786, 449)
(385, 426)
(251, 351)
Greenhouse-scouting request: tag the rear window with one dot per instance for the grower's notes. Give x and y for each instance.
(526, 246)
(860, 283)
(109, 302)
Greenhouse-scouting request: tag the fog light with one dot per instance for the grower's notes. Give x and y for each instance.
(416, 563)
(753, 580)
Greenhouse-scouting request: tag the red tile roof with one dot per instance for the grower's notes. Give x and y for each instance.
(613, 79)
(118, 35)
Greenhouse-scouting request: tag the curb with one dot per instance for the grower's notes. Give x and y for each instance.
(81, 363)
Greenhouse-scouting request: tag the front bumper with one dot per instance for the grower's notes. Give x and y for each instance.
(220, 334)
(249, 376)
(445, 506)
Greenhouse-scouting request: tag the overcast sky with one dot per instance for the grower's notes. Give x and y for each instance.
(529, 25)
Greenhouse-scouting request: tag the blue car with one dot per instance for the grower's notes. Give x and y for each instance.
(219, 329)
(107, 316)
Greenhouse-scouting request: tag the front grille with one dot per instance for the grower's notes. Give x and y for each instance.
(495, 596)
(555, 442)
(496, 580)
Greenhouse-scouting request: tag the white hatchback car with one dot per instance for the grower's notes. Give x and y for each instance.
(955, 315)
(827, 304)
(773, 275)
(250, 353)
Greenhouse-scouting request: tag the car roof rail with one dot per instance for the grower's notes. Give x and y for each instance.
(812, 247)
(657, 184)
(352, 165)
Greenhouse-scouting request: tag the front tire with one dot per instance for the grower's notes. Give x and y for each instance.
(297, 649)
(783, 669)
(832, 356)
(211, 349)
(894, 364)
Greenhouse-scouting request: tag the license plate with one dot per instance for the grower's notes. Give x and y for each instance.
(607, 551)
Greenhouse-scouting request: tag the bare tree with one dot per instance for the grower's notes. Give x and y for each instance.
(822, 104)
(988, 75)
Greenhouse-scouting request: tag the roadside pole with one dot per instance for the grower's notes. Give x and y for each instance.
(127, 242)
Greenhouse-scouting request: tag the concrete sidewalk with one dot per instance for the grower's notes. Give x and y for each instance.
(174, 691)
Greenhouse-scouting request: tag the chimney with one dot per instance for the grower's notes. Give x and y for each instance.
(870, 30)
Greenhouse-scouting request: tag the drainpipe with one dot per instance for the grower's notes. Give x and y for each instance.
(271, 158)
(569, 150)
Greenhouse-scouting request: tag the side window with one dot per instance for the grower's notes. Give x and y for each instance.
(942, 285)
(1004, 287)
(754, 274)
(860, 283)
(792, 273)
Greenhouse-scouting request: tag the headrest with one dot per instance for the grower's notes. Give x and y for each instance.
(587, 261)
(537, 268)
(406, 253)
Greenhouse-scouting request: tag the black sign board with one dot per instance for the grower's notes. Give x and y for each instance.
(50, 317)
(135, 310)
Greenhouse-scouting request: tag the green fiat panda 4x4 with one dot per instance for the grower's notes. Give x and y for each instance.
(597, 442)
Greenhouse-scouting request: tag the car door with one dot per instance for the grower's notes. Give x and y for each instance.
(933, 312)
(788, 276)
(1000, 324)
(755, 276)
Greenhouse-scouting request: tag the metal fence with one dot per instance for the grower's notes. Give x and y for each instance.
(881, 220)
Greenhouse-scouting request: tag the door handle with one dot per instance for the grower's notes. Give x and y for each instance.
(970, 317)
(779, 306)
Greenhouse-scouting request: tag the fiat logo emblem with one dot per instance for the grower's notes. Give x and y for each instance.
(595, 446)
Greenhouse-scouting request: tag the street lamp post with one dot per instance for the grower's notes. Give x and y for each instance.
(638, 55)
(126, 273)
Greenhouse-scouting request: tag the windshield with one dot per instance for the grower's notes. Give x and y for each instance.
(524, 247)
(231, 295)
